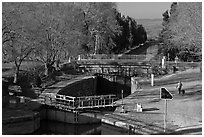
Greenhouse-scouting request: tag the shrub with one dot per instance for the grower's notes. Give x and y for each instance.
(156, 70)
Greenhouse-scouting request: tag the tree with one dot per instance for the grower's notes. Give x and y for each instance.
(100, 24)
(15, 39)
(132, 34)
(165, 17)
(173, 8)
(55, 29)
(46, 29)
(183, 30)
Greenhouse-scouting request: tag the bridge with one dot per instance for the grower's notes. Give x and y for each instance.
(119, 70)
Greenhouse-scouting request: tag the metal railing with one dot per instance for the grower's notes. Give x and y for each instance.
(76, 103)
(111, 57)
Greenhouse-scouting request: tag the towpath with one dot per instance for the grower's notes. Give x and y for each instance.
(184, 112)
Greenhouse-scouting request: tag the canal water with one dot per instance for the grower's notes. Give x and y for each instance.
(58, 128)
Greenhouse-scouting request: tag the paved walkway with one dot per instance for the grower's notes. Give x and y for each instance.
(184, 112)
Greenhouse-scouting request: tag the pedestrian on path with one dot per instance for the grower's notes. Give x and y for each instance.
(179, 86)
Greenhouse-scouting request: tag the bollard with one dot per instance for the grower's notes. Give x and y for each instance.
(22, 99)
(79, 57)
(139, 107)
(123, 109)
(164, 62)
(152, 79)
(69, 60)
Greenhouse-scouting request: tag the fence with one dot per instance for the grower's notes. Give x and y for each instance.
(112, 57)
(75, 103)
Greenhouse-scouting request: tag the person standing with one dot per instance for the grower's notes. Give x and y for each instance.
(179, 86)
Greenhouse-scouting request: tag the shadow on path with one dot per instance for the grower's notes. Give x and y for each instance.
(149, 109)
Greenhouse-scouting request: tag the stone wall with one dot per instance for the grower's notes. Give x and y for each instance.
(25, 124)
(67, 117)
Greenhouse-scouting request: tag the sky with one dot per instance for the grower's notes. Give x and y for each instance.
(144, 10)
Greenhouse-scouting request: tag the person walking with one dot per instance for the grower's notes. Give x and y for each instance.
(179, 86)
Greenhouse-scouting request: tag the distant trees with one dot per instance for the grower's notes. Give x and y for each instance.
(132, 33)
(183, 31)
(100, 26)
(106, 31)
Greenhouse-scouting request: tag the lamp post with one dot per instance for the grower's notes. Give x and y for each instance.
(123, 109)
(122, 96)
(176, 60)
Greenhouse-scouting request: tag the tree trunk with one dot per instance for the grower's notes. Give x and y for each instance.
(46, 70)
(57, 62)
(16, 74)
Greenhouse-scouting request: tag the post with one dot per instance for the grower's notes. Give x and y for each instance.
(165, 113)
(76, 115)
(164, 62)
(122, 96)
(129, 71)
(176, 61)
(69, 60)
(152, 79)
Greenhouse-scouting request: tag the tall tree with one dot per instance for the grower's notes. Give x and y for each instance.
(132, 34)
(15, 38)
(55, 29)
(183, 31)
(99, 19)
(47, 29)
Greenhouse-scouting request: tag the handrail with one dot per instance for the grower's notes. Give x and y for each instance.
(80, 102)
(111, 57)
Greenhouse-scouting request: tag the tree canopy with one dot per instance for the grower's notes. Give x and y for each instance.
(50, 31)
(182, 33)
(132, 34)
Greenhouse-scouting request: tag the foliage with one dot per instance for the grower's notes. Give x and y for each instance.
(44, 29)
(157, 70)
(132, 34)
(48, 31)
(99, 27)
(183, 30)
(16, 43)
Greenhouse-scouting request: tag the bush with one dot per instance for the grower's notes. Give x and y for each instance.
(70, 68)
(156, 70)
(190, 56)
(24, 79)
(139, 73)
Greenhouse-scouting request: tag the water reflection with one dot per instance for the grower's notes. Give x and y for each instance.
(59, 128)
